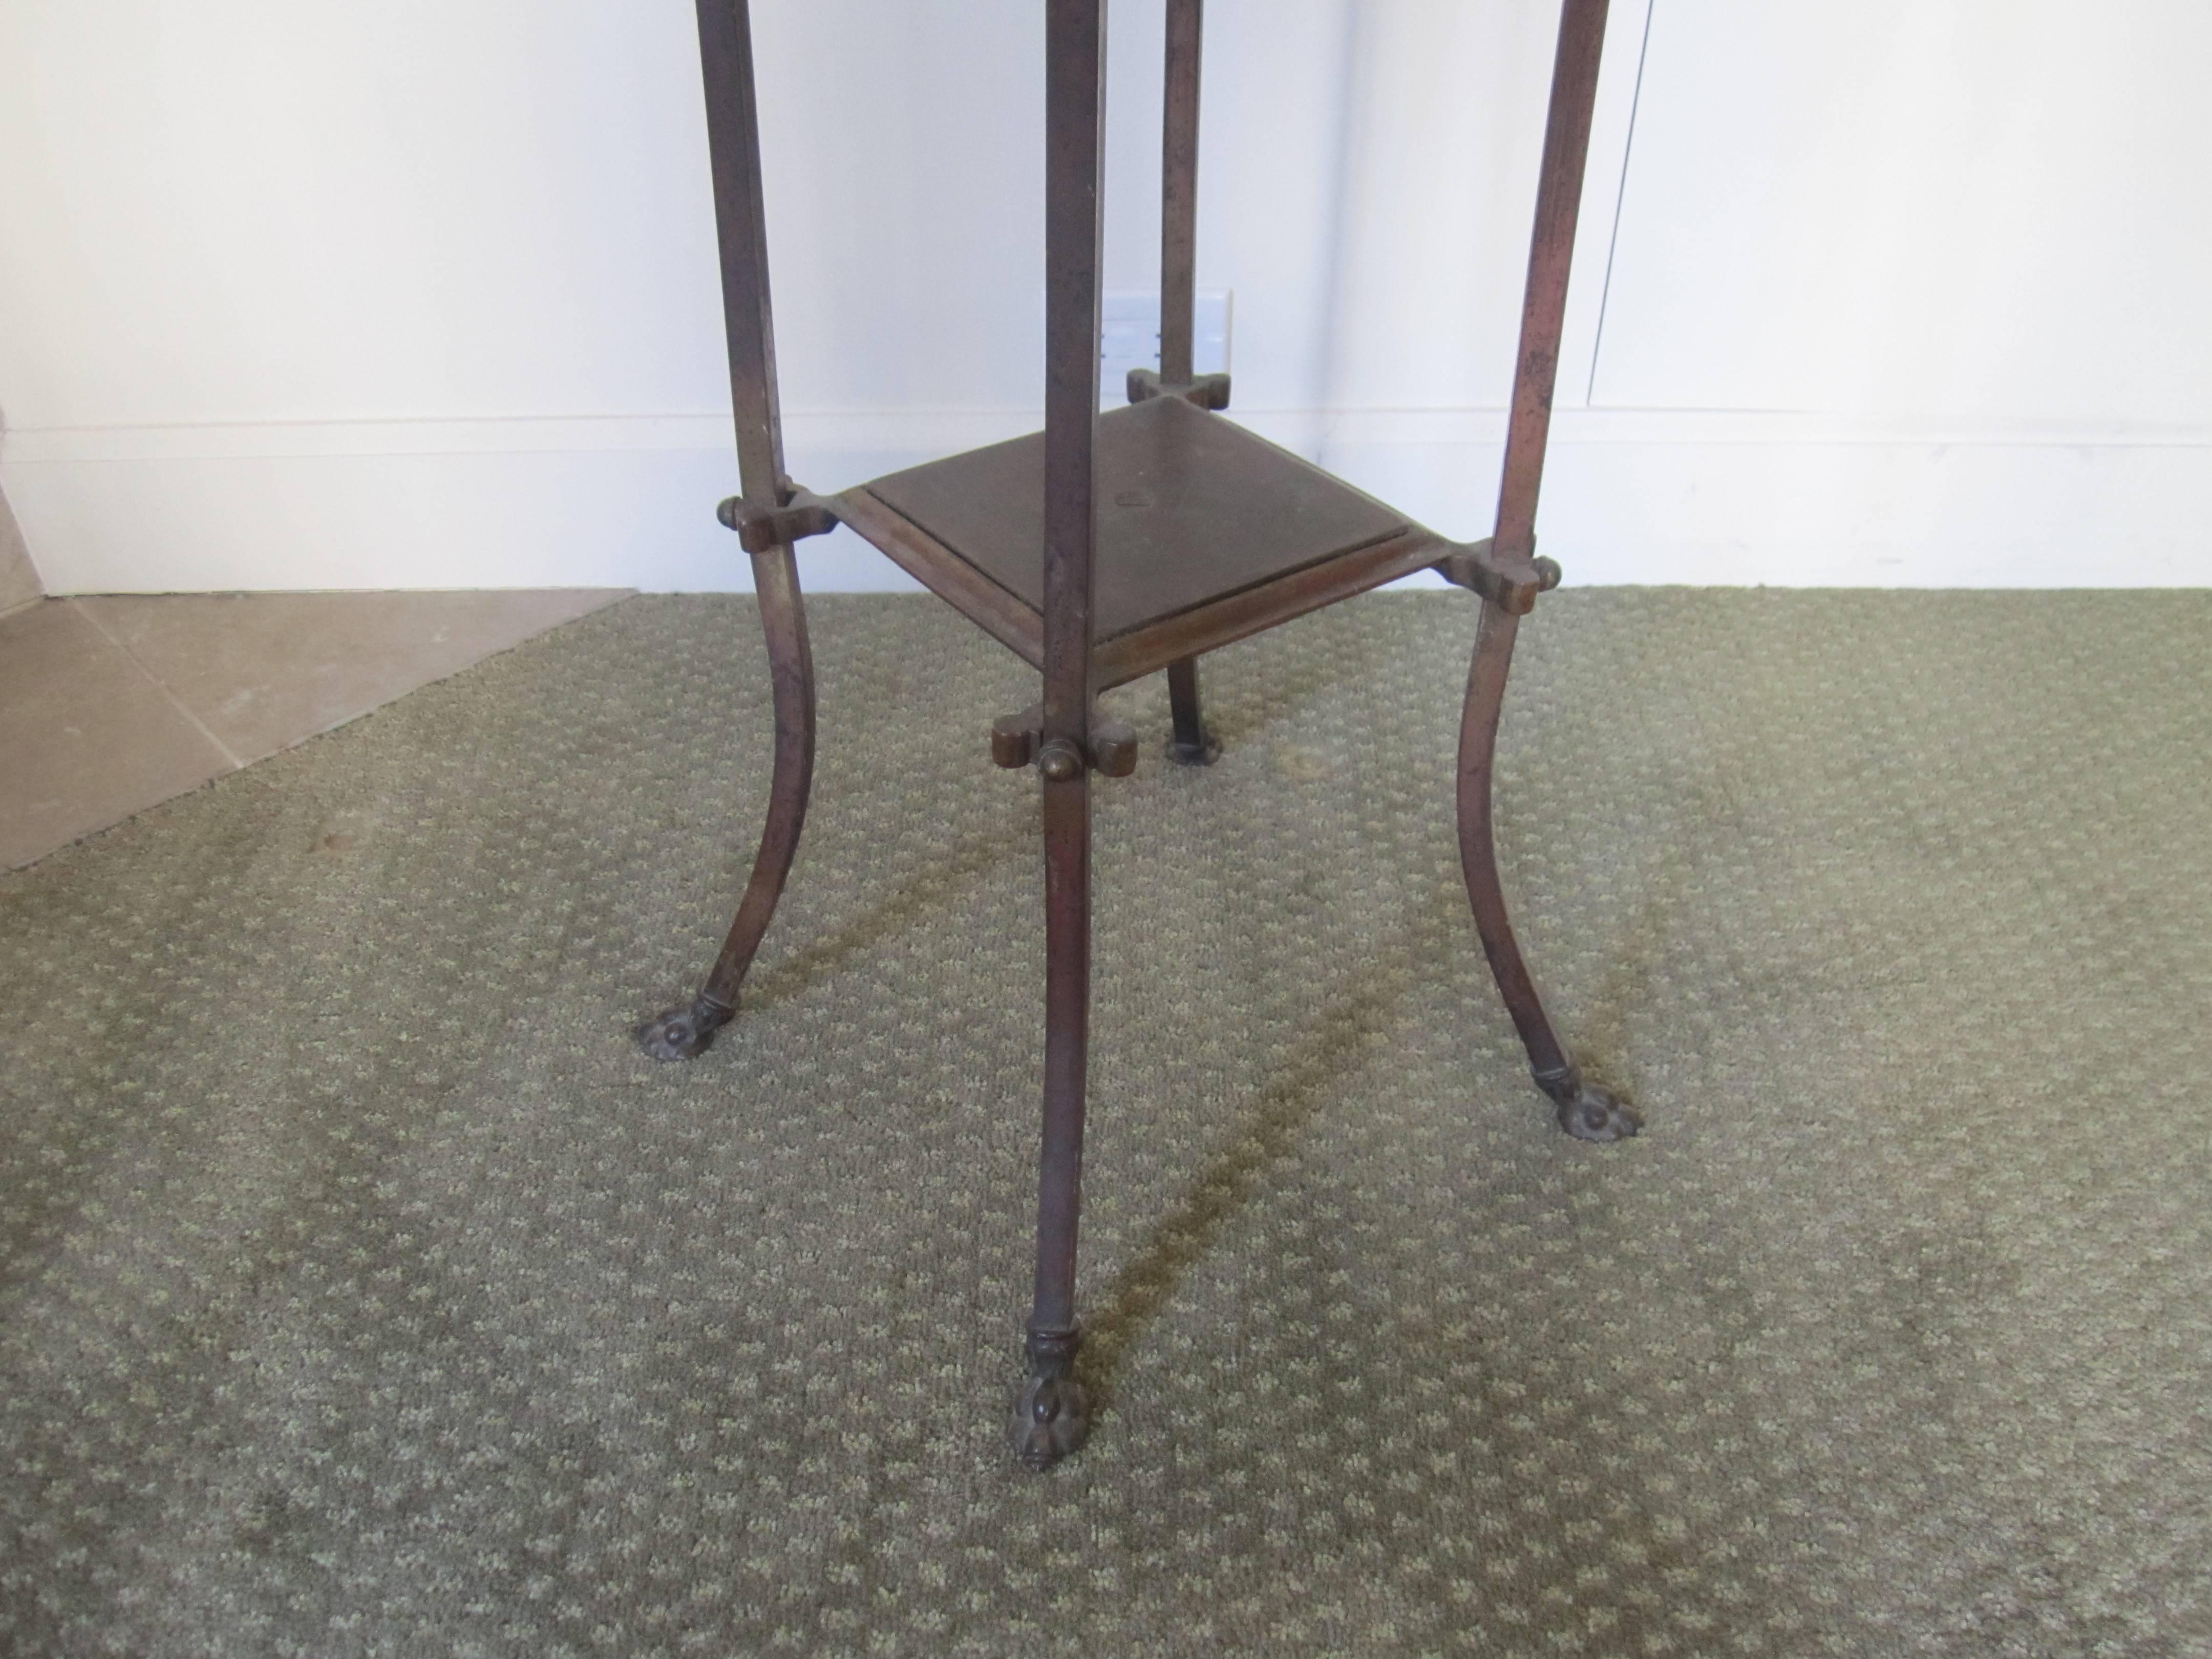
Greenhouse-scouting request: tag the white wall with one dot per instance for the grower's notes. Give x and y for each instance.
(388, 293)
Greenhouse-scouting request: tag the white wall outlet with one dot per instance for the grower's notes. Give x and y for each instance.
(1129, 336)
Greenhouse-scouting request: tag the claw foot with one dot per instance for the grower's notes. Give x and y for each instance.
(1052, 1412)
(683, 1032)
(1588, 1112)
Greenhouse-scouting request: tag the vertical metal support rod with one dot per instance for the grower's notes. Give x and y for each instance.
(1543, 307)
(1179, 299)
(1179, 193)
(726, 47)
(1075, 51)
(1193, 744)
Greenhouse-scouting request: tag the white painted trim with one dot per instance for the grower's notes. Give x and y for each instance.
(1631, 495)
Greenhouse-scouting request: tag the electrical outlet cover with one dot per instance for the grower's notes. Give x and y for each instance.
(1129, 336)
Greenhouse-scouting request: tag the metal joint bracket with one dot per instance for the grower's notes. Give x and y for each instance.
(1206, 391)
(1019, 740)
(1509, 581)
(763, 529)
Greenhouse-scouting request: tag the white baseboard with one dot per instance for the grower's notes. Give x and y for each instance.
(1634, 496)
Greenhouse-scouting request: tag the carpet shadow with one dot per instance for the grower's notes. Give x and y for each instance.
(948, 876)
(1185, 1234)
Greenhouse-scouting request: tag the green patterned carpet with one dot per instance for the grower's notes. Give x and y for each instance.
(363, 1291)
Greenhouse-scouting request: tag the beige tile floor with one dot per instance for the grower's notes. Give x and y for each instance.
(111, 705)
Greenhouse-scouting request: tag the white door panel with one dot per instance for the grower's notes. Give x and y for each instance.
(1953, 208)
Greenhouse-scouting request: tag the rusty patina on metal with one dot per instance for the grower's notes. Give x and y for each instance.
(1110, 547)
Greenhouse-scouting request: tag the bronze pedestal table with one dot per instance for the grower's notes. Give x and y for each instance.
(1111, 546)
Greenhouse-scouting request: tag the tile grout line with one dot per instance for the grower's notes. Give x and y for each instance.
(159, 685)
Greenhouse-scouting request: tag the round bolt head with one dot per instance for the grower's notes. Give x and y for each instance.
(1061, 762)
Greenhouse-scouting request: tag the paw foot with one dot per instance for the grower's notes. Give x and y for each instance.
(1588, 1112)
(1595, 1115)
(683, 1032)
(1052, 1417)
(1052, 1414)
(1204, 752)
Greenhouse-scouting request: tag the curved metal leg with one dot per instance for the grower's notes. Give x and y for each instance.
(1585, 1111)
(726, 59)
(682, 1032)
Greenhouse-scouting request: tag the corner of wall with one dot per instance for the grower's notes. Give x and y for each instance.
(19, 577)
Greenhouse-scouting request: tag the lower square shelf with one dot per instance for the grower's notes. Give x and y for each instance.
(1207, 533)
